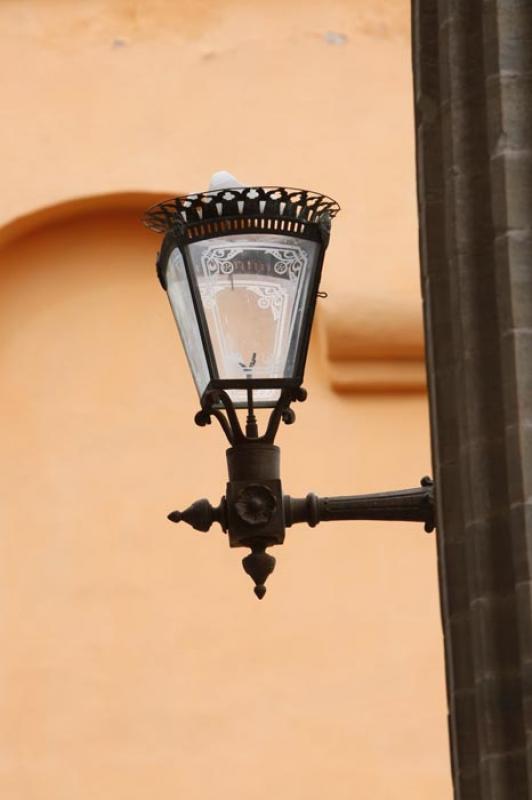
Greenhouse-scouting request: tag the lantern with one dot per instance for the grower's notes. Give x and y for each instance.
(241, 267)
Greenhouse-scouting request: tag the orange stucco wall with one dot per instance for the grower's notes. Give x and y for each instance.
(136, 661)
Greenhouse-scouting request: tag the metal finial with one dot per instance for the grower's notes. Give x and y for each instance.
(258, 565)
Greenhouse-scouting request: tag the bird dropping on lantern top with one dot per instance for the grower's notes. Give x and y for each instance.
(223, 180)
(241, 266)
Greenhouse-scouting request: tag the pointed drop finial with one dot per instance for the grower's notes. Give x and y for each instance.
(258, 566)
(223, 180)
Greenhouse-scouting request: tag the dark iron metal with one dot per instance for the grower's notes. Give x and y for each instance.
(200, 515)
(404, 505)
(216, 401)
(266, 209)
(259, 565)
(254, 511)
(251, 515)
(407, 505)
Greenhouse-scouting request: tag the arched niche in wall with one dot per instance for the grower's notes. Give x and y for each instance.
(91, 366)
(370, 336)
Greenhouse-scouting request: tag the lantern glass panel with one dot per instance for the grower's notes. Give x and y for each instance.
(180, 298)
(254, 289)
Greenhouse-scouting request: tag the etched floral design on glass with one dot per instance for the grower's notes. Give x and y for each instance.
(254, 290)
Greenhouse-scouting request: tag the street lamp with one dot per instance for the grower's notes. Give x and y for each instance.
(241, 266)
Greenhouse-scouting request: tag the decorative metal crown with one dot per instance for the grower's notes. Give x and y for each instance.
(247, 202)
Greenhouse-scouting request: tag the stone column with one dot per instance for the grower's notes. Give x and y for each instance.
(473, 107)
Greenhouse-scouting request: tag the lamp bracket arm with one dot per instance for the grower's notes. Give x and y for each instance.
(408, 505)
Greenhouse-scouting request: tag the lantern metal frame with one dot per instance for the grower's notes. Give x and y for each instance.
(297, 213)
(254, 512)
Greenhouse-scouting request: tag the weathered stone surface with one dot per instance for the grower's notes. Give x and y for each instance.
(473, 95)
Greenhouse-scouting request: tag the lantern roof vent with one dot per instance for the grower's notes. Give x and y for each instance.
(239, 202)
